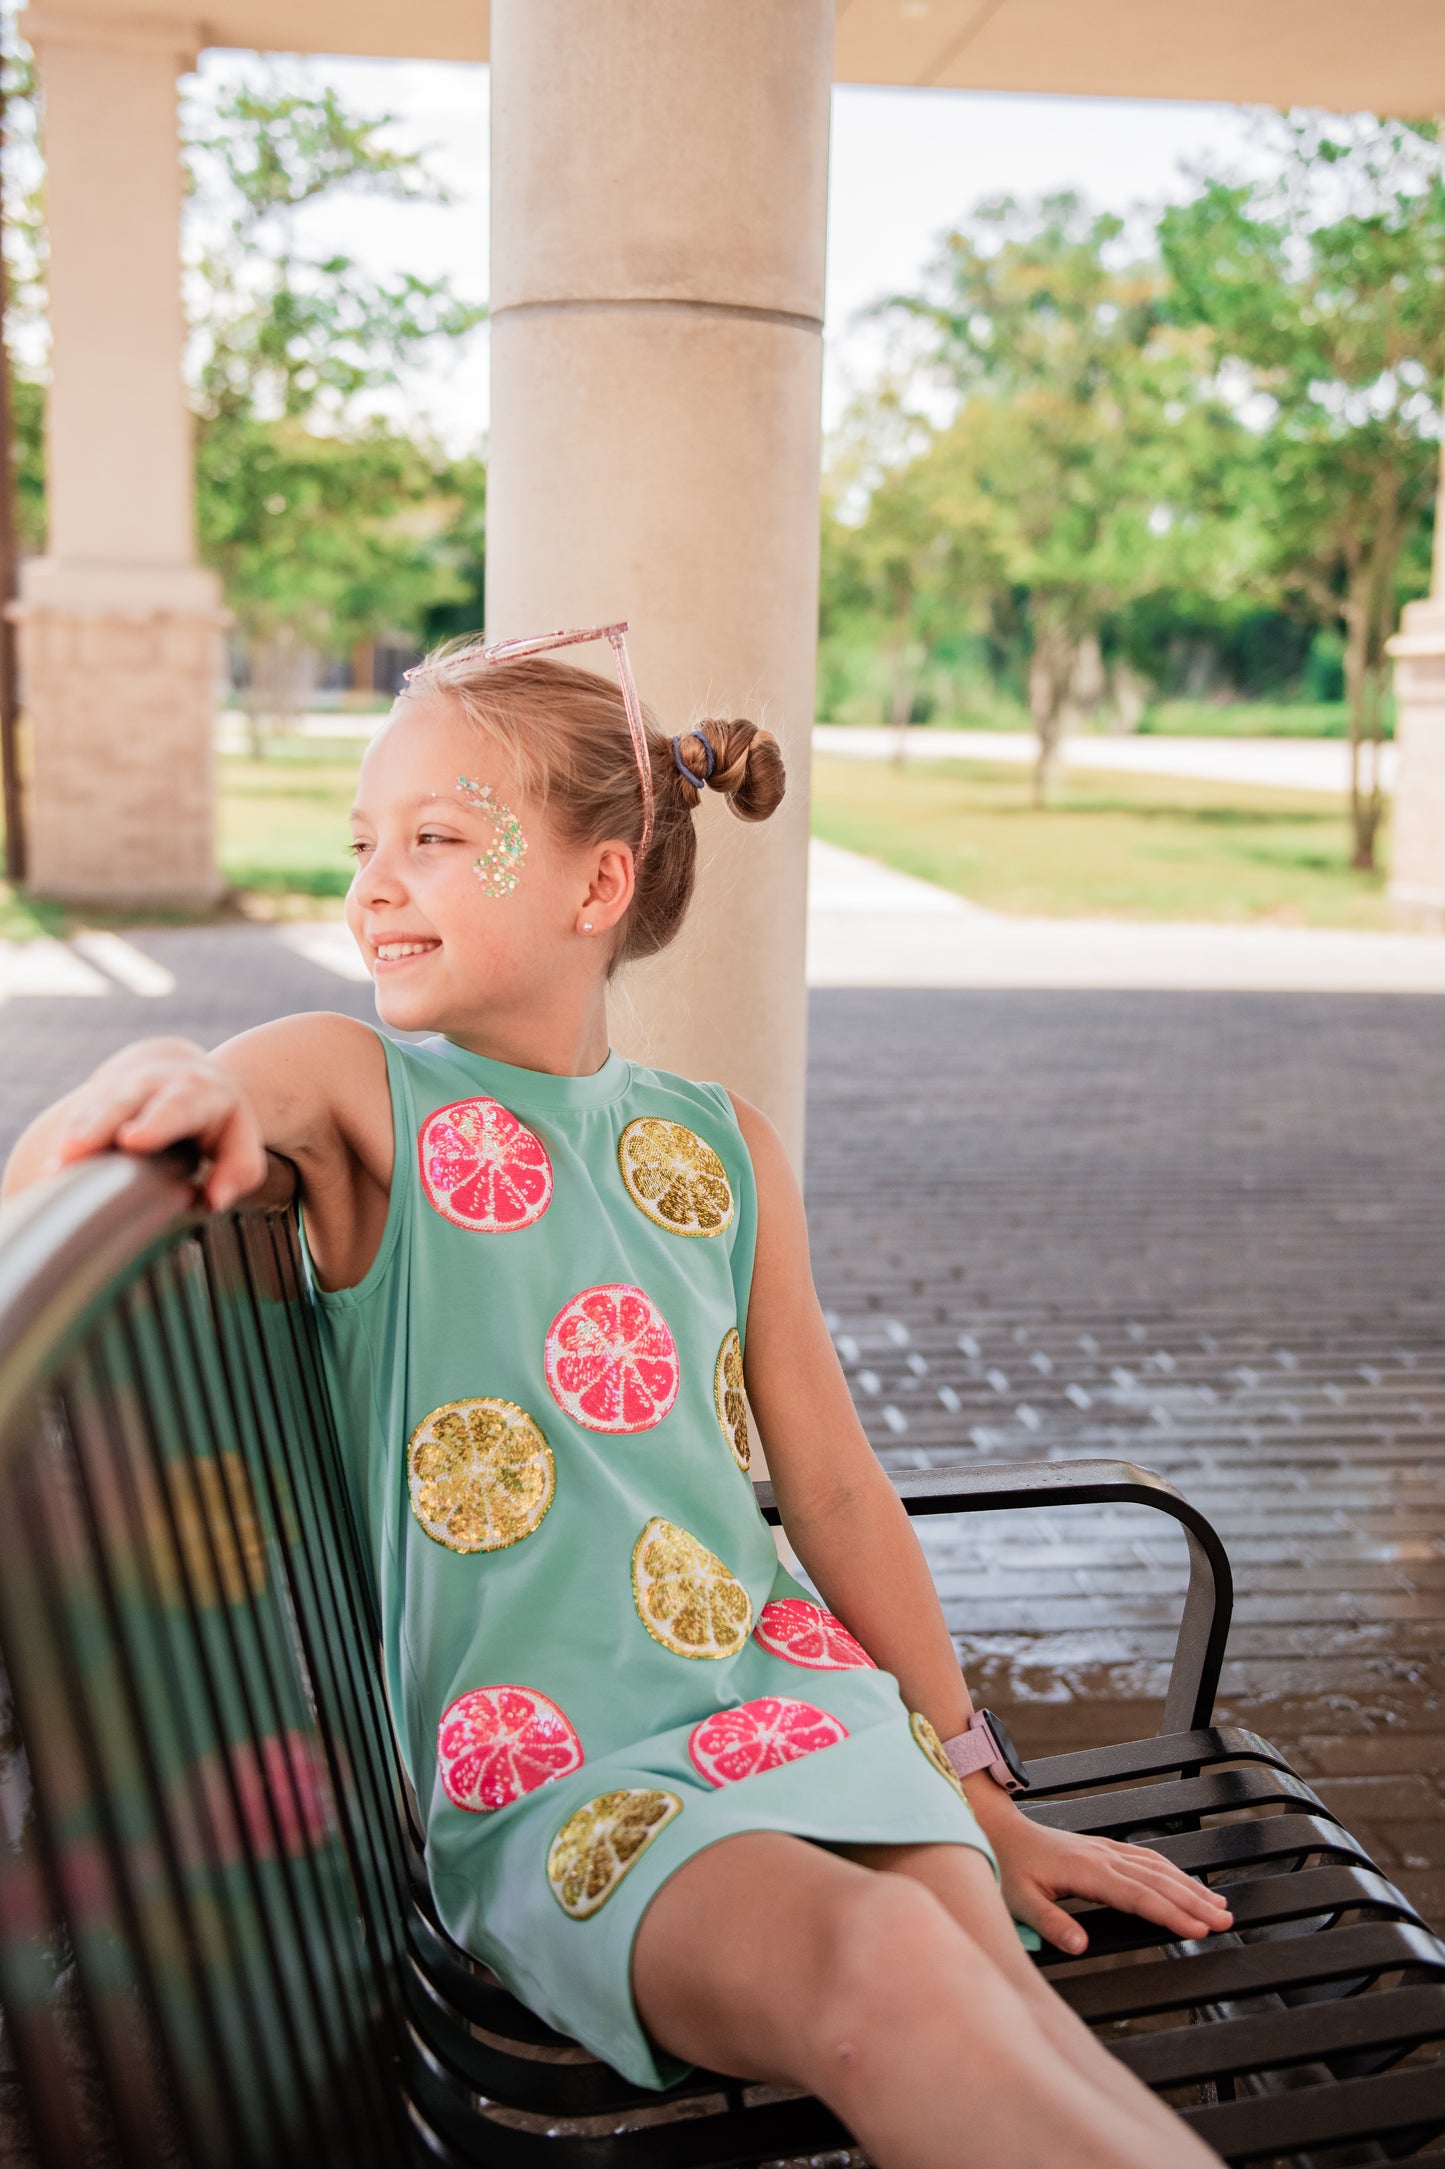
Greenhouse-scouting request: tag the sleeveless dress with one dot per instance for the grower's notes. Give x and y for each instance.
(596, 1665)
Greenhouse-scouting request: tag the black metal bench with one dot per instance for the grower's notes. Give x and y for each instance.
(217, 1945)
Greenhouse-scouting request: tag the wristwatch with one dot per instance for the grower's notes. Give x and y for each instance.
(987, 1746)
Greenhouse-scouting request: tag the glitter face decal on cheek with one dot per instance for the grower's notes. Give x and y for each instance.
(498, 868)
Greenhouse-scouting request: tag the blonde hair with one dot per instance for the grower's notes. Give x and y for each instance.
(566, 729)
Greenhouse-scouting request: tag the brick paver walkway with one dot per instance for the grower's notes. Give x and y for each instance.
(1202, 1231)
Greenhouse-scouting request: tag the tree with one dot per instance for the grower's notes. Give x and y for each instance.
(327, 522)
(1323, 293)
(1064, 480)
(895, 569)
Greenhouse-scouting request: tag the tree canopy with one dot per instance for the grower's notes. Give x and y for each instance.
(328, 522)
(1323, 292)
(1110, 434)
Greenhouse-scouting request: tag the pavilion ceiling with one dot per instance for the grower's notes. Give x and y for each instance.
(1389, 56)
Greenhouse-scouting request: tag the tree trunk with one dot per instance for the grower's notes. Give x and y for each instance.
(900, 697)
(900, 708)
(1371, 581)
(1370, 798)
(283, 676)
(1051, 673)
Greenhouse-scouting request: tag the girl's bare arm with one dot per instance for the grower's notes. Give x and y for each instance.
(841, 1513)
(311, 1089)
(853, 1536)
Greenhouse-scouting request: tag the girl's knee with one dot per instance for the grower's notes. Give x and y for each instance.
(886, 1920)
(889, 1950)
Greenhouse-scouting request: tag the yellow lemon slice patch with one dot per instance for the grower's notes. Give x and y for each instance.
(481, 1475)
(594, 1848)
(685, 1597)
(730, 1401)
(932, 1747)
(674, 1177)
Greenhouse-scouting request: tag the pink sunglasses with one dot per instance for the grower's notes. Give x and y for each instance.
(507, 651)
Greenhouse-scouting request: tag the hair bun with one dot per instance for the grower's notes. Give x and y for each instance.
(747, 766)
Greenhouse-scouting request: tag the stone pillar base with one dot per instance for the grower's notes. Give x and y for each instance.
(121, 711)
(1417, 852)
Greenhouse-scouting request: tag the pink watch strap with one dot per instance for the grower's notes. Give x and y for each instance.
(974, 1749)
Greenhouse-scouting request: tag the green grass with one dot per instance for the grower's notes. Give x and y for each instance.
(283, 830)
(23, 920)
(1107, 846)
(282, 836)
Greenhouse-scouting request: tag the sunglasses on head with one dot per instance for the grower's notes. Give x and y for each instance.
(508, 651)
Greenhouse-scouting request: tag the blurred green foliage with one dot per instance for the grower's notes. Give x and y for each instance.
(1112, 463)
(329, 523)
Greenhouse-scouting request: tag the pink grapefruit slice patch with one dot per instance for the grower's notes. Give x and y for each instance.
(611, 1361)
(758, 1736)
(482, 1169)
(497, 1743)
(806, 1634)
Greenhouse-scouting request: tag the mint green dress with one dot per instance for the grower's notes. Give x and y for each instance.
(596, 1665)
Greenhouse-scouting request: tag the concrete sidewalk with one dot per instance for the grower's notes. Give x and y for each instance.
(871, 927)
(1274, 764)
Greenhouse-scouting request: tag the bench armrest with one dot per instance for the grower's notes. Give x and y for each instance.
(1003, 1487)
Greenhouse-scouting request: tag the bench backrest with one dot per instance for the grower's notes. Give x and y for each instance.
(202, 1872)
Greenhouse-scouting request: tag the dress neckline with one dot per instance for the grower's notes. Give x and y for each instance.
(537, 1088)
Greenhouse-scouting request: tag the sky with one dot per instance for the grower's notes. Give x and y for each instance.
(905, 166)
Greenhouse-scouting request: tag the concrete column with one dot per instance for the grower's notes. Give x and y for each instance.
(119, 626)
(1417, 841)
(659, 187)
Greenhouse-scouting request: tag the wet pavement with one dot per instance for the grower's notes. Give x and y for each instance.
(1199, 1231)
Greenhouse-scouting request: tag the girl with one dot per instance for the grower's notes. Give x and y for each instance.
(689, 1814)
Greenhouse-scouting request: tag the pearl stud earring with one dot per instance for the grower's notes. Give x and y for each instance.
(586, 926)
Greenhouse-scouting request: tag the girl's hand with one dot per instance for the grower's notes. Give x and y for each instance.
(1040, 1866)
(155, 1094)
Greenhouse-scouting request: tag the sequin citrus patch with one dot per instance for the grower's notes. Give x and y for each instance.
(730, 1401)
(594, 1848)
(685, 1597)
(806, 1634)
(483, 1169)
(481, 1474)
(758, 1736)
(496, 1743)
(932, 1747)
(675, 1177)
(611, 1361)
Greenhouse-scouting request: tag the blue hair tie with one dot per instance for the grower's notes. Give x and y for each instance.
(689, 775)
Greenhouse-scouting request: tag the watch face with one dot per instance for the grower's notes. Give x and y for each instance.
(1013, 1762)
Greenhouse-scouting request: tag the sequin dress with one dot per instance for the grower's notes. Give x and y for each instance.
(596, 1664)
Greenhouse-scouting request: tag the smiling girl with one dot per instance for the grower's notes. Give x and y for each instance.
(689, 1809)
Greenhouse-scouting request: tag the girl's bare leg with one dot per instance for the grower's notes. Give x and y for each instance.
(950, 1872)
(769, 1958)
